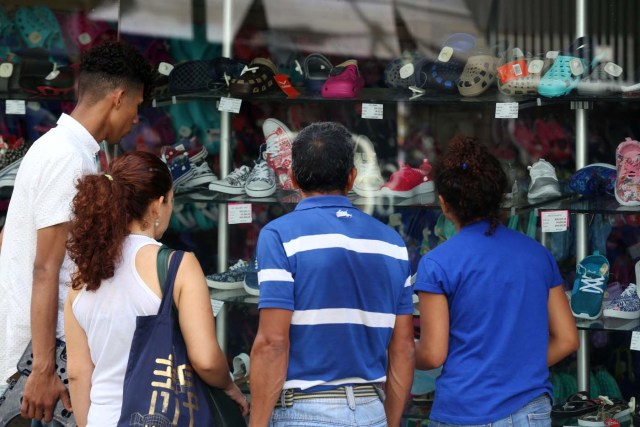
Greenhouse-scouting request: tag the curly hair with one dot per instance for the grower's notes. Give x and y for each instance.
(112, 64)
(104, 207)
(471, 181)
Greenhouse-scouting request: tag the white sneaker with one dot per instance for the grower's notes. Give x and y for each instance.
(234, 182)
(202, 176)
(544, 182)
(261, 181)
(369, 179)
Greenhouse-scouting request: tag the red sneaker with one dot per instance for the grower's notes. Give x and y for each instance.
(409, 182)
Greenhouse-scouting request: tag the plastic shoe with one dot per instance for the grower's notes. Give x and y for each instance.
(233, 183)
(47, 79)
(251, 285)
(479, 74)
(409, 182)
(255, 79)
(604, 79)
(399, 73)
(520, 75)
(39, 28)
(544, 182)
(444, 73)
(610, 409)
(278, 153)
(316, 71)
(592, 275)
(233, 278)
(597, 179)
(626, 305)
(567, 69)
(628, 173)
(369, 178)
(261, 181)
(344, 81)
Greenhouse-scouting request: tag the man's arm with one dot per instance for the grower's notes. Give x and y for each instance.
(400, 370)
(44, 387)
(563, 334)
(269, 362)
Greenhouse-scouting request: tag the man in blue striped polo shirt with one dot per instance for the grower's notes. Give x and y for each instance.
(335, 302)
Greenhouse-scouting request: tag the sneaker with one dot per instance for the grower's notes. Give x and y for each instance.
(169, 153)
(234, 183)
(626, 305)
(369, 179)
(597, 179)
(261, 181)
(279, 139)
(628, 168)
(233, 278)
(409, 182)
(544, 182)
(9, 173)
(251, 285)
(181, 171)
(202, 176)
(610, 409)
(592, 274)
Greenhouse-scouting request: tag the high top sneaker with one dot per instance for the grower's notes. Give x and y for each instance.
(369, 179)
(279, 139)
(628, 173)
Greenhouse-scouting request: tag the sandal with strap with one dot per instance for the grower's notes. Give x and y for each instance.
(567, 69)
(577, 404)
(609, 409)
(255, 79)
(316, 68)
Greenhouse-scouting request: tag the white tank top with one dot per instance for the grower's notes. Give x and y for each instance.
(108, 317)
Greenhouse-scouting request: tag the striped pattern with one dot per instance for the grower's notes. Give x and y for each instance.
(341, 241)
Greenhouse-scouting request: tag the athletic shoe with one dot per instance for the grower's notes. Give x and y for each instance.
(592, 274)
(597, 179)
(610, 409)
(279, 140)
(544, 182)
(628, 169)
(261, 181)
(181, 171)
(234, 183)
(369, 179)
(626, 305)
(251, 285)
(202, 176)
(233, 278)
(9, 173)
(409, 182)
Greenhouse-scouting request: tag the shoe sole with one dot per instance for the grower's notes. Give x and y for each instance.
(425, 187)
(621, 314)
(251, 291)
(226, 190)
(198, 181)
(260, 193)
(585, 315)
(225, 286)
(617, 416)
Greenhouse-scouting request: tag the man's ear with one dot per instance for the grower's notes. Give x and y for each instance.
(351, 180)
(295, 184)
(118, 97)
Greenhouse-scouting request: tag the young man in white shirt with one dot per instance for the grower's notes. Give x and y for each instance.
(34, 269)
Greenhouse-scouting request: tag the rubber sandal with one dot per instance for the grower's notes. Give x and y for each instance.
(478, 75)
(203, 75)
(577, 404)
(316, 69)
(52, 81)
(444, 73)
(604, 79)
(39, 28)
(609, 409)
(344, 81)
(520, 75)
(399, 73)
(567, 69)
(255, 79)
(9, 78)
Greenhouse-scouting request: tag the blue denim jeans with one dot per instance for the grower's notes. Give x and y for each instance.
(342, 411)
(536, 413)
(53, 423)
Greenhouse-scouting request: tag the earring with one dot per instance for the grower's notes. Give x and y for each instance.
(157, 223)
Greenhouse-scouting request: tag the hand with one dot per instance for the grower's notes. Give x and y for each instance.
(41, 393)
(233, 391)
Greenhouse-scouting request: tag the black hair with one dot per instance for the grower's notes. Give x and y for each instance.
(111, 64)
(322, 157)
(471, 181)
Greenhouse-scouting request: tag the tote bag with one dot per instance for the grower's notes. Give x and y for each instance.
(160, 387)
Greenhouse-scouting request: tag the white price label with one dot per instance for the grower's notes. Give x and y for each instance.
(16, 106)
(216, 306)
(506, 110)
(231, 105)
(635, 341)
(239, 213)
(554, 221)
(372, 111)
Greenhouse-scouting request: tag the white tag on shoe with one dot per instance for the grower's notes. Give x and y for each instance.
(577, 69)
(239, 213)
(535, 66)
(6, 70)
(445, 54)
(552, 54)
(613, 69)
(165, 68)
(232, 105)
(635, 341)
(554, 221)
(406, 71)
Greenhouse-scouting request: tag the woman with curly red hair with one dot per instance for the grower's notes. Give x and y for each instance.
(493, 312)
(117, 217)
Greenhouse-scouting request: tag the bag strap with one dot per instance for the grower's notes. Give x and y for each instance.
(162, 264)
(166, 286)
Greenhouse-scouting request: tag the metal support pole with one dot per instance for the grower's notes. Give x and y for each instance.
(225, 148)
(581, 219)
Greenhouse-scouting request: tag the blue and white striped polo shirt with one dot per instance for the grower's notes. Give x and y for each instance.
(345, 276)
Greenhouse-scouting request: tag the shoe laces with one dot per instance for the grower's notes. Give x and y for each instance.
(261, 171)
(238, 173)
(630, 167)
(202, 169)
(593, 282)
(630, 291)
(239, 266)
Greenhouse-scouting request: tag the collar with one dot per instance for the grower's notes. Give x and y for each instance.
(324, 202)
(80, 133)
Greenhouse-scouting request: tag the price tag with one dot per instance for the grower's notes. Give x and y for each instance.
(216, 306)
(635, 341)
(506, 110)
(231, 105)
(15, 106)
(554, 221)
(372, 111)
(239, 213)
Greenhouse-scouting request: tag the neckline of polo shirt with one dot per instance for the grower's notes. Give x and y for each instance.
(324, 202)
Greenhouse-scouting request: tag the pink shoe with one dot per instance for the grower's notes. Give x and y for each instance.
(278, 152)
(344, 81)
(409, 182)
(628, 169)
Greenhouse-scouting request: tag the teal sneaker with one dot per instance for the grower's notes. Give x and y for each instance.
(592, 275)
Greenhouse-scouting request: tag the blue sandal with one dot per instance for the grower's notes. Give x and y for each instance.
(561, 79)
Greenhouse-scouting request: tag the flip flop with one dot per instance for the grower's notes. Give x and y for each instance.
(577, 404)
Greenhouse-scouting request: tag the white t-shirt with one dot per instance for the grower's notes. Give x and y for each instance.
(42, 197)
(108, 318)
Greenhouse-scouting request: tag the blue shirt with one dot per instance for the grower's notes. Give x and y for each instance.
(345, 276)
(498, 289)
